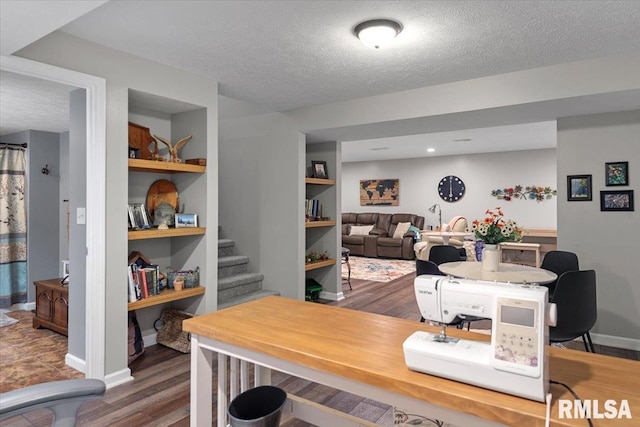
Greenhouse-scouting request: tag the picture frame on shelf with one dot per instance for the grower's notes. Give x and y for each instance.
(579, 188)
(616, 173)
(616, 200)
(132, 218)
(186, 220)
(319, 169)
(140, 218)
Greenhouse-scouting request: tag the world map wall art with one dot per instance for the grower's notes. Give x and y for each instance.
(379, 192)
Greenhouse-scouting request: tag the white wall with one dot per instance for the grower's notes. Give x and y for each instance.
(481, 173)
(604, 241)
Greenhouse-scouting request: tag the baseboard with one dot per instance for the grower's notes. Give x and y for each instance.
(331, 296)
(150, 340)
(76, 363)
(118, 378)
(613, 341)
(27, 306)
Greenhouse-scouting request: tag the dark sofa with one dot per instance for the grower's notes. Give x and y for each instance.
(379, 241)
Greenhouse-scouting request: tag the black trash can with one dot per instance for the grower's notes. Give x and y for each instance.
(257, 407)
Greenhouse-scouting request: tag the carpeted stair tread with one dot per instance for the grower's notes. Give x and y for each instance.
(239, 280)
(225, 243)
(246, 298)
(228, 261)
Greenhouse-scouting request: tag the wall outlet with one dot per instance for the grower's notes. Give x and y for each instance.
(81, 217)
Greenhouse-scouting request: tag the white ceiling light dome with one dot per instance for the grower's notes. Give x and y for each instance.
(377, 32)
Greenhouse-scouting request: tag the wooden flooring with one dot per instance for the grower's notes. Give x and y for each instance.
(159, 394)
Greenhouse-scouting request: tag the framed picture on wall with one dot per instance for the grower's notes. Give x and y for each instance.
(616, 173)
(616, 200)
(579, 188)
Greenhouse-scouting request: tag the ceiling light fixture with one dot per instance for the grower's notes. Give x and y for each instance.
(430, 150)
(377, 32)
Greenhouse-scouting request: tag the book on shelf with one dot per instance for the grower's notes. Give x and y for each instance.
(313, 209)
(134, 288)
(142, 280)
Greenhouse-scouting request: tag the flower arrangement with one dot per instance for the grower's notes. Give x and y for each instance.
(530, 192)
(493, 229)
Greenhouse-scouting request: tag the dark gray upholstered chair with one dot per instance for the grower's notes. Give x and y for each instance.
(576, 301)
(440, 254)
(64, 398)
(559, 262)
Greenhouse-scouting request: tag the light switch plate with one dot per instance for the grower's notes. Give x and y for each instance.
(81, 217)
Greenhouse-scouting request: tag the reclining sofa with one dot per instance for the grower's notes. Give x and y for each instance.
(381, 235)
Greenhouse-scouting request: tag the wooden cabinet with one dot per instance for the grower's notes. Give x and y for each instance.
(52, 305)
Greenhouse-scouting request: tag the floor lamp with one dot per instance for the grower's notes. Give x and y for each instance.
(432, 209)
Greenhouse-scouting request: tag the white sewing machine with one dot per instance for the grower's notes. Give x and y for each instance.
(516, 360)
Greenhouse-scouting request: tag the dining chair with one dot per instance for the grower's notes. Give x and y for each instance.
(430, 267)
(559, 262)
(576, 302)
(440, 254)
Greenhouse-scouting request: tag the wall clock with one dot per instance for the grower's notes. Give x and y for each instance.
(451, 188)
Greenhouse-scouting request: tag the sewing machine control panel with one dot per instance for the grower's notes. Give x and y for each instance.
(517, 336)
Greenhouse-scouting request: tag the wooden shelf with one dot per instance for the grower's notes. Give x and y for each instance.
(540, 232)
(166, 295)
(314, 224)
(154, 233)
(319, 264)
(320, 181)
(139, 165)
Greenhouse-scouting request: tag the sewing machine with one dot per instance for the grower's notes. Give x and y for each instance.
(516, 360)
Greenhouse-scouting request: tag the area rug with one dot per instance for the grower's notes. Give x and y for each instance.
(6, 320)
(377, 269)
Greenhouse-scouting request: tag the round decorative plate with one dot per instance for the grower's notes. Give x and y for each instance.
(161, 191)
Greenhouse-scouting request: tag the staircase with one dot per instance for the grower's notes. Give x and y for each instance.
(235, 284)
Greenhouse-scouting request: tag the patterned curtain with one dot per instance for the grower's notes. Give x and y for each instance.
(13, 227)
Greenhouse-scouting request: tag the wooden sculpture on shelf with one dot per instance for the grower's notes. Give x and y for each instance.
(173, 148)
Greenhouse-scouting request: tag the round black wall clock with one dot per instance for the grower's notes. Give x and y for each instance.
(451, 188)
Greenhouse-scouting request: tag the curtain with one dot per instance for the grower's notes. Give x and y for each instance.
(13, 227)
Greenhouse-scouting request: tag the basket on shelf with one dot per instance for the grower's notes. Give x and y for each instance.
(191, 277)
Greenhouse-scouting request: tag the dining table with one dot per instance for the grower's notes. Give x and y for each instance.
(513, 273)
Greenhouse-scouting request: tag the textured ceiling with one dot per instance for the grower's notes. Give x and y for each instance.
(281, 55)
(45, 108)
(288, 54)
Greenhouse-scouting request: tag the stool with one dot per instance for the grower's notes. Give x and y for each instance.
(345, 260)
(517, 246)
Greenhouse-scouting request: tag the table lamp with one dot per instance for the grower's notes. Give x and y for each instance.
(432, 209)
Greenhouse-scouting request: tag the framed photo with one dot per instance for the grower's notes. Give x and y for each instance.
(186, 220)
(616, 173)
(616, 200)
(138, 217)
(319, 169)
(579, 188)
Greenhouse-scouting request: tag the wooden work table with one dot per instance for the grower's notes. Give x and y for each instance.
(347, 349)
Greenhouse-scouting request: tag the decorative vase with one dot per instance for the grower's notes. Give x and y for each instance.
(490, 257)
(178, 285)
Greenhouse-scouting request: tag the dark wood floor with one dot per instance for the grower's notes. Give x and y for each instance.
(159, 394)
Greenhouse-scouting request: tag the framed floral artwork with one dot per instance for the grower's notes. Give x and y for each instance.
(616, 200)
(579, 188)
(616, 173)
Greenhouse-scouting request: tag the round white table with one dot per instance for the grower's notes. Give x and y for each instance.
(445, 234)
(514, 273)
